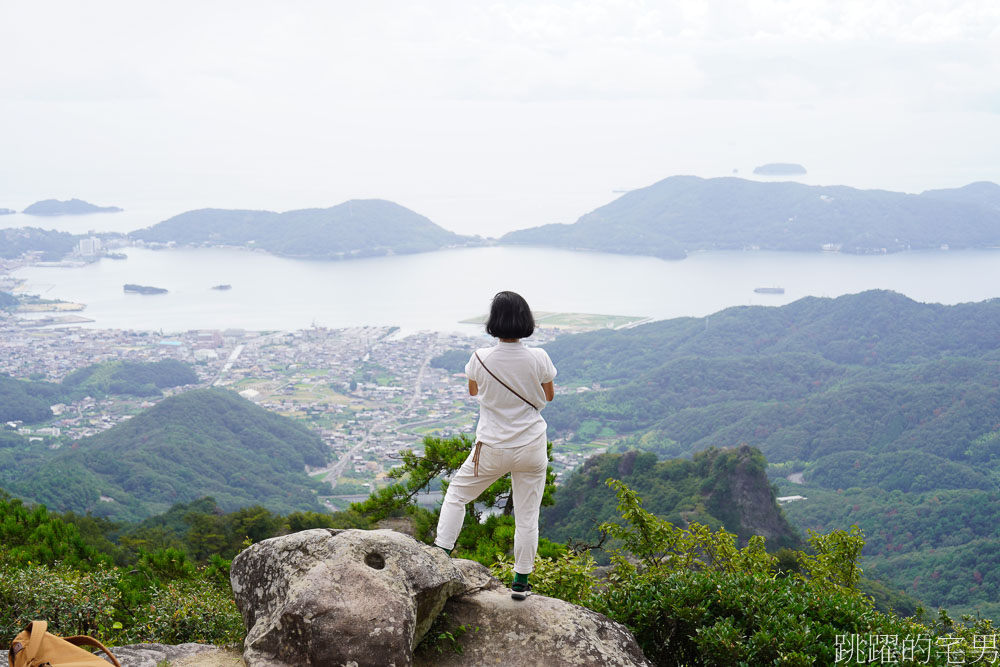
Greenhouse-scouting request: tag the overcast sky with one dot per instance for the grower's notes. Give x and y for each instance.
(485, 116)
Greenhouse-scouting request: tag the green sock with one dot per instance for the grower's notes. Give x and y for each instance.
(520, 578)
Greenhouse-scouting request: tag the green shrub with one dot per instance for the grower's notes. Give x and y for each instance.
(118, 606)
(567, 577)
(691, 597)
(186, 611)
(72, 602)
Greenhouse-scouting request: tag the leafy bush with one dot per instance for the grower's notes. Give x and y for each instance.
(185, 611)
(567, 577)
(691, 597)
(117, 606)
(72, 602)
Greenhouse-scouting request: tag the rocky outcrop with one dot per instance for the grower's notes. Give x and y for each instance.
(330, 597)
(539, 631)
(750, 494)
(355, 597)
(153, 655)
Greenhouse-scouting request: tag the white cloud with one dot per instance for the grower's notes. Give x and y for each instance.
(521, 103)
(589, 49)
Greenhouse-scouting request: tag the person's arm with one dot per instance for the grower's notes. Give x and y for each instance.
(474, 388)
(549, 389)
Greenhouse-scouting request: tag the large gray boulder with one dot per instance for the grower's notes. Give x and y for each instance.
(338, 597)
(355, 597)
(492, 629)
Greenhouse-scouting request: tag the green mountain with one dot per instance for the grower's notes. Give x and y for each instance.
(29, 401)
(68, 207)
(356, 228)
(130, 378)
(894, 401)
(717, 488)
(16, 241)
(686, 213)
(202, 442)
(874, 372)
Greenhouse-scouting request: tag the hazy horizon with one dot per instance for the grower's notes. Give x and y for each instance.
(486, 118)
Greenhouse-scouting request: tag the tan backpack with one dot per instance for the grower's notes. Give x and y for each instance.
(34, 647)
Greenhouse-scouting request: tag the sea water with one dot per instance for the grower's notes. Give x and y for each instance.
(436, 290)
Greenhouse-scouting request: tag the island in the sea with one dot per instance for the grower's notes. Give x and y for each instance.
(352, 230)
(7, 211)
(143, 289)
(684, 214)
(780, 169)
(69, 207)
(116, 255)
(222, 287)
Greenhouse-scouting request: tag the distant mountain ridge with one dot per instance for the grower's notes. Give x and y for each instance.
(355, 228)
(681, 214)
(68, 207)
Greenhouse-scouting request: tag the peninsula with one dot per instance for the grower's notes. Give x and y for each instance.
(354, 229)
(682, 214)
(69, 207)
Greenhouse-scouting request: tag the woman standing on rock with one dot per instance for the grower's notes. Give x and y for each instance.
(512, 383)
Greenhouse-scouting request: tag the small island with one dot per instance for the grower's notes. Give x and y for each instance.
(143, 289)
(116, 255)
(222, 287)
(780, 169)
(7, 211)
(70, 207)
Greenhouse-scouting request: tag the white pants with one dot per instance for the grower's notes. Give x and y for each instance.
(527, 466)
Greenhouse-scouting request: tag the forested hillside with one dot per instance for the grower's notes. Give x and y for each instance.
(26, 400)
(940, 546)
(685, 213)
(130, 378)
(52, 244)
(716, 488)
(30, 401)
(202, 442)
(356, 228)
(872, 391)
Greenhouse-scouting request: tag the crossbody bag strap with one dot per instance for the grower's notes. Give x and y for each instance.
(504, 383)
(85, 640)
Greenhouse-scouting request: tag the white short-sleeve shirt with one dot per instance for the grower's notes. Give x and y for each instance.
(504, 419)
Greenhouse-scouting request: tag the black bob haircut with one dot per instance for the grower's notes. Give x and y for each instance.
(510, 317)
